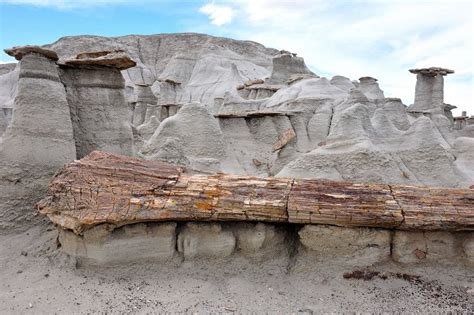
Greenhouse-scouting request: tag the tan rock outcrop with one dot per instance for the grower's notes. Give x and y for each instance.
(20, 51)
(116, 59)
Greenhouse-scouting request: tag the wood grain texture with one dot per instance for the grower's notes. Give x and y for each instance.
(108, 188)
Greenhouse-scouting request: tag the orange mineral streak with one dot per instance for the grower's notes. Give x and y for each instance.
(108, 188)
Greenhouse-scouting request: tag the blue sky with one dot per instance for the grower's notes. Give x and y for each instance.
(379, 38)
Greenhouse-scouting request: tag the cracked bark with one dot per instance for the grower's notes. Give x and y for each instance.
(164, 192)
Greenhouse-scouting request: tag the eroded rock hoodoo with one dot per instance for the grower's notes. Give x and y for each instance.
(429, 93)
(214, 106)
(96, 97)
(39, 138)
(145, 105)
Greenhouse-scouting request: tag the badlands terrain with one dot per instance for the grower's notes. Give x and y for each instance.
(214, 105)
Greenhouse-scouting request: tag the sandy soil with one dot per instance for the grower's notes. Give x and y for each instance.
(37, 278)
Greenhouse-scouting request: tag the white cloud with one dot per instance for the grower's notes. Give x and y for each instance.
(378, 38)
(218, 14)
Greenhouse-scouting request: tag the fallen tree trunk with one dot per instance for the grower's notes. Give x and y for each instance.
(107, 188)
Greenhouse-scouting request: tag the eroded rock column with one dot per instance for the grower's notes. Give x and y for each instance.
(39, 139)
(429, 91)
(96, 96)
(145, 97)
(370, 88)
(286, 65)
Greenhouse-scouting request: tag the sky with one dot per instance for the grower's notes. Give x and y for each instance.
(377, 38)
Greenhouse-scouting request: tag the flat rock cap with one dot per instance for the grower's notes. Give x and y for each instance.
(449, 106)
(367, 79)
(19, 51)
(432, 71)
(392, 99)
(108, 58)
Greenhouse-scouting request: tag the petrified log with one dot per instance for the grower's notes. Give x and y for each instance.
(108, 188)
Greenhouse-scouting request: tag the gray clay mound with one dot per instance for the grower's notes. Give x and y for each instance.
(218, 105)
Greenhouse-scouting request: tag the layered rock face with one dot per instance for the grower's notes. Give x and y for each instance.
(221, 105)
(197, 136)
(8, 85)
(429, 93)
(145, 105)
(59, 114)
(300, 249)
(221, 216)
(99, 111)
(203, 66)
(273, 115)
(39, 138)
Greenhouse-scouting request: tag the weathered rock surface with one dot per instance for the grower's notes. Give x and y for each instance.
(103, 245)
(418, 247)
(197, 132)
(260, 240)
(7, 67)
(9, 75)
(99, 111)
(172, 243)
(468, 248)
(344, 130)
(202, 65)
(286, 65)
(38, 140)
(261, 112)
(370, 88)
(144, 98)
(127, 190)
(116, 59)
(355, 246)
(197, 240)
(20, 51)
(429, 93)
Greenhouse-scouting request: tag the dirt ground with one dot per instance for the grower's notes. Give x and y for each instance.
(36, 278)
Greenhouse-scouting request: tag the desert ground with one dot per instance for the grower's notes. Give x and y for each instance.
(37, 278)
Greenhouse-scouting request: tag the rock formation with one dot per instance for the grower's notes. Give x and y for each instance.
(145, 102)
(370, 88)
(221, 105)
(202, 66)
(95, 93)
(198, 134)
(9, 75)
(287, 66)
(39, 138)
(130, 190)
(429, 93)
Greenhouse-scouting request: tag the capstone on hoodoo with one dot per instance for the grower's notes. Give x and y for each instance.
(96, 97)
(429, 93)
(217, 104)
(59, 114)
(39, 138)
